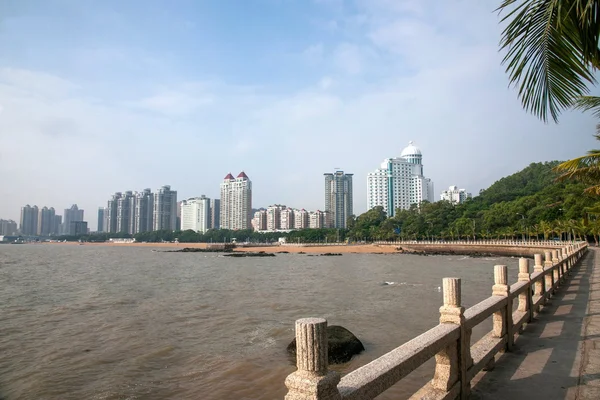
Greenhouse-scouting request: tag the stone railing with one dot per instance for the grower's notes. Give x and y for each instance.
(527, 243)
(457, 361)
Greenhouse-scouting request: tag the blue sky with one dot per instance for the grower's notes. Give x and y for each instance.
(98, 97)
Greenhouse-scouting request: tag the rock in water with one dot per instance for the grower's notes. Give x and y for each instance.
(342, 345)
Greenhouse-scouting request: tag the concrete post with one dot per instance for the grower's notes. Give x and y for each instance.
(556, 269)
(525, 297)
(452, 362)
(312, 380)
(550, 275)
(540, 283)
(502, 319)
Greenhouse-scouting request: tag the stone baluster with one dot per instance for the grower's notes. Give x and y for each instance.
(312, 380)
(502, 319)
(556, 267)
(540, 283)
(525, 297)
(452, 363)
(550, 275)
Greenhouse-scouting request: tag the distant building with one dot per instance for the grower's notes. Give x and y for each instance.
(111, 213)
(399, 182)
(236, 202)
(195, 214)
(29, 220)
(143, 211)
(8, 227)
(259, 222)
(57, 224)
(101, 219)
(46, 222)
(73, 214)
(338, 198)
(319, 219)
(455, 195)
(215, 213)
(165, 209)
(287, 219)
(77, 228)
(301, 219)
(125, 212)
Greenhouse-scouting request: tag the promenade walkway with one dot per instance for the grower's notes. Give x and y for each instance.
(558, 355)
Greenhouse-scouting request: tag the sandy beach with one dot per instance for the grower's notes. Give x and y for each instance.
(346, 249)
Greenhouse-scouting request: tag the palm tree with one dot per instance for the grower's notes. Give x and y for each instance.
(586, 168)
(552, 52)
(545, 228)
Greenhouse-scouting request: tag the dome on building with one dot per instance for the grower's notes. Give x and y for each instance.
(411, 150)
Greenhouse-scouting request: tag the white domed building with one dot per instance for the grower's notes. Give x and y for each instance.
(399, 182)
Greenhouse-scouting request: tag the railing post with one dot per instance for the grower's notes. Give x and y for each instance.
(549, 276)
(556, 267)
(525, 297)
(503, 318)
(540, 283)
(312, 380)
(452, 362)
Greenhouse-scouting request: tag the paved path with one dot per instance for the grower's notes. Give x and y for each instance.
(558, 355)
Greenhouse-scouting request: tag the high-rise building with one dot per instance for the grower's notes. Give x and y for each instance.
(195, 214)
(338, 198)
(143, 211)
(399, 182)
(259, 222)
(236, 202)
(8, 227)
(274, 217)
(319, 219)
(29, 220)
(101, 213)
(165, 209)
(57, 224)
(125, 212)
(77, 228)
(215, 213)
(46, 222)
(111, 213)
(301, 219)
(73, 214)
(286, 219)
(455, 195)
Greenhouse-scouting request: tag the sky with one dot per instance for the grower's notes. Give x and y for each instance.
(99, 97)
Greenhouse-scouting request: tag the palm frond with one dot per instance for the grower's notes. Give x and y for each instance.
(587, 103)
(549, 56)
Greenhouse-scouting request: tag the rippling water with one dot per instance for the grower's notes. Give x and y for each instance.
(94, 322)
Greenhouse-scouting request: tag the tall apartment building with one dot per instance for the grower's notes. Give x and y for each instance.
(215, 213)
(196, 214)
(125, 212)
(259, 222)
(301, 219)
(29, 220)
(46, 222)
(286, 219)
(319, 219)
(8, 227)
(73, 214)
(338, 198)
(455, 195)
(165, 209)
(101, 213)
(236, 202)
(57, 224)
(143, 211)
(111, 213)
(274, 217)
(399, 182)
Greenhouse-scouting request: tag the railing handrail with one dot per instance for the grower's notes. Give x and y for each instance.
(457, 362)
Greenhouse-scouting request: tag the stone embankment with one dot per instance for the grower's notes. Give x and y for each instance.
(483, 248)
(457, 361)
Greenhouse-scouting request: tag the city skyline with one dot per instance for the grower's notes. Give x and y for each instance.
(347, 83)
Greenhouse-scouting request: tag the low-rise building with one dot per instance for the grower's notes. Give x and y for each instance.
(455, 195)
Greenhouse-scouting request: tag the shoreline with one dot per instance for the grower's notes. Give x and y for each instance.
(344, 249)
